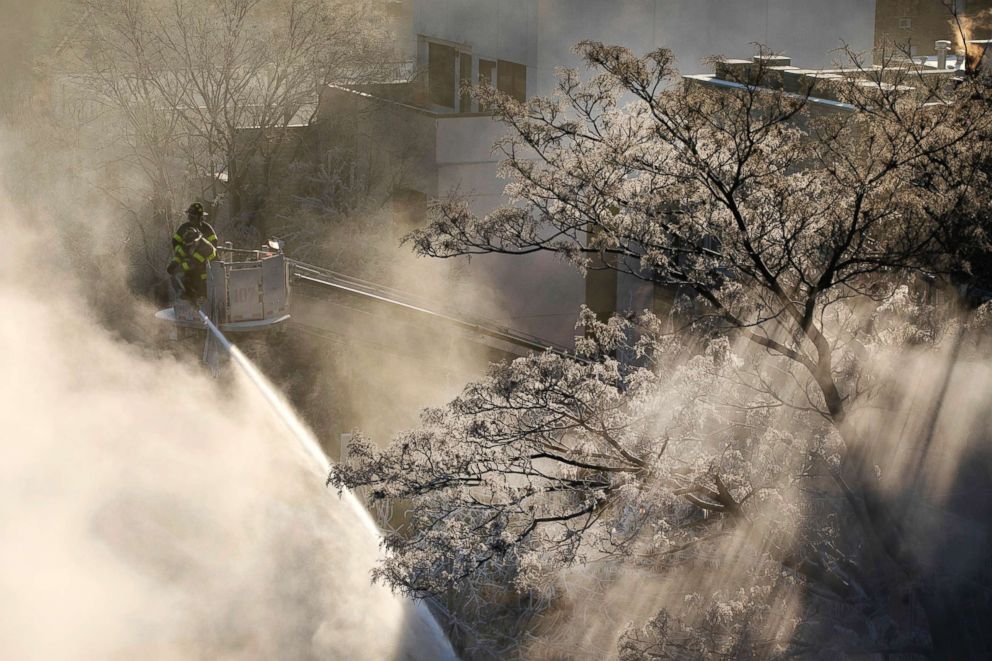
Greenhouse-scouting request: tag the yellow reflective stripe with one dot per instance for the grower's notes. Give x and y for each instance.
(186, 266)
(177, 237)
(176, 259)
(198, 257)
(203, 276)
(212, 238)
(180, 251)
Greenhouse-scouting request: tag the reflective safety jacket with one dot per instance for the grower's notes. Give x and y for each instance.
(193, 258)
(203, 226)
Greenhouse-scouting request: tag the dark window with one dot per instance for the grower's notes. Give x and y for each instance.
(487, 72)
(441, 75)
(486, 69)
(511, 78)
(464, 80)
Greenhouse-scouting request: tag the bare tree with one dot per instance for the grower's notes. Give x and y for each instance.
(213, 87)
(791, 229)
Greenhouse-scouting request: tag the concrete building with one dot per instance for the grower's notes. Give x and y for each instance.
(429, 139)
(538, 35)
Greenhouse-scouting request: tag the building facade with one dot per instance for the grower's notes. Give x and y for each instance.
(429, 138)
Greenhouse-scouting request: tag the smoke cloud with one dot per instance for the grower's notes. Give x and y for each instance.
(150, 511)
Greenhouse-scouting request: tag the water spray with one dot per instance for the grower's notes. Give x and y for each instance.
(307, 441)
(308, 444)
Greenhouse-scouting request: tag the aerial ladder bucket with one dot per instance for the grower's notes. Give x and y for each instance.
(247, 290)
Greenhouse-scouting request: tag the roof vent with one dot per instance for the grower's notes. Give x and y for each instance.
(942, 46)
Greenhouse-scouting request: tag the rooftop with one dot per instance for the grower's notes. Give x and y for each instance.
(822, 86)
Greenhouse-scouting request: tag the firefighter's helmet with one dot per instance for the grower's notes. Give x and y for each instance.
(195, 210)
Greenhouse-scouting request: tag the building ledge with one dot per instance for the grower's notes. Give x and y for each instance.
(711, 79)
(407, 106)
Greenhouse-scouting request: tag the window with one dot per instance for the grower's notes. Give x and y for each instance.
(487, 75)
(486, 70)
(511, 78)
(441, 75)
(464, 80)
(905, 23)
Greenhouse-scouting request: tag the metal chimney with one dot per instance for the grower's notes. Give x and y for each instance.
(942, 46)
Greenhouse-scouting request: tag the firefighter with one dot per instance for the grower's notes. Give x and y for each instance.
(195, 218)
(189, 262)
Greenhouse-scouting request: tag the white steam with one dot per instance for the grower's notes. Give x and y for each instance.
(148, 511)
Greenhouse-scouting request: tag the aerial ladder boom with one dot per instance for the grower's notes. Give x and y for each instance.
(249, 290)
(301, 272)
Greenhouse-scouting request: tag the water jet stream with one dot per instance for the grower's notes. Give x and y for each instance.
(307, 443)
